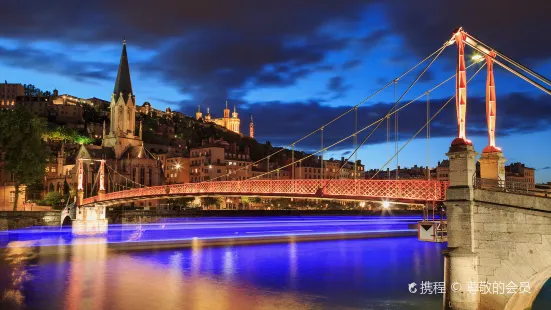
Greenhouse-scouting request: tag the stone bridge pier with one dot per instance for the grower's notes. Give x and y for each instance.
(499, 243)
(89, 219)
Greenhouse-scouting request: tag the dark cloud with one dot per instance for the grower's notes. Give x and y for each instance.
(374, 38)
(511, 27)
(351, 64)
(337, 87)
(56, 62)
(544, 168)
(284, 123)
(205, 48)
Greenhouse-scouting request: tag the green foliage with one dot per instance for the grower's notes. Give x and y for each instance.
(211, 201)
(61, 133)
(53, 199)
(24, 153)
(182, 202)
(245, 199)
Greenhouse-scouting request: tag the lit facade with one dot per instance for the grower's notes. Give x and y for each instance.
(9, 93)
(521, 175)
(217, 158)
(443, 171)
(177, 170)
(7, 192)
(122, 145)
(312, 169)
(231, 123)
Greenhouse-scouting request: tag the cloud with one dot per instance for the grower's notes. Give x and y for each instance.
(337, 87)
(544, 168)
(351, 64)
(56, 62)
(209, 49)
(507, 26)
(283, 123)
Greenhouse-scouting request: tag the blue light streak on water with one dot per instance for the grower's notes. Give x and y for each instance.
(217, 228)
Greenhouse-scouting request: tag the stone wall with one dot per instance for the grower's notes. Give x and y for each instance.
(512, 238)
(22, 219)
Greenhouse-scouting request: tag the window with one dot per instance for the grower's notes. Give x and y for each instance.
(47, 169)
(150, 176)
(12, 196)
(142, 175)
(53, 169)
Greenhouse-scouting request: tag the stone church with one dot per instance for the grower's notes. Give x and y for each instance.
(131, 165)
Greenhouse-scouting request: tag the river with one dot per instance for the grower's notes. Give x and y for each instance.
(44, 268)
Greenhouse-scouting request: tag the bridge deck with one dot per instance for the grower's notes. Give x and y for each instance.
(395, 190)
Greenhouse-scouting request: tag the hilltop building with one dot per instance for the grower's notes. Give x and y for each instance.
(231, 123)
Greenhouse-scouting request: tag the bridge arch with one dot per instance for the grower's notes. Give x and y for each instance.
(525, 301)
(67, 222)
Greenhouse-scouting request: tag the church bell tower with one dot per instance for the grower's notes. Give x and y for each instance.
(123, 111)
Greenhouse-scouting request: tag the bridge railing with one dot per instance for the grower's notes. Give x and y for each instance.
(416, 190)
(524, 188)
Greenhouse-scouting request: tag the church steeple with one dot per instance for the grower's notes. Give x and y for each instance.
(123, 84)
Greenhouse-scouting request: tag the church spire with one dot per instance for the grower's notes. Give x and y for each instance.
(123, 84)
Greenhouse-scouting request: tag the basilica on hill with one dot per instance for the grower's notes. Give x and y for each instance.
(231, 123)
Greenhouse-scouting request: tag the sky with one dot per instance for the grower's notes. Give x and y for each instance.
(295, 65)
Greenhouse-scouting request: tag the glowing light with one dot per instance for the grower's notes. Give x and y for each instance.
(386, 204)
(178, 166)
(477, 57)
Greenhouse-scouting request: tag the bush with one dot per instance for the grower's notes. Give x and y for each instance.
(53, 199)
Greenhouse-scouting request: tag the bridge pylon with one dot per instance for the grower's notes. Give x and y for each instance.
(460, 260)
(89, 219)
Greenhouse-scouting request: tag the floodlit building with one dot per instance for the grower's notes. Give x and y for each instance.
(231, 123)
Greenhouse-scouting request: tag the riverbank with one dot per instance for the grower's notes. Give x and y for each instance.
(22, 219)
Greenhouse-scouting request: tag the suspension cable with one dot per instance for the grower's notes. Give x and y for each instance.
(392, 110)
(375, 123)
(513, 71)
(515, 63)
(438, 51)
(428, 136)
(125, 178)
(396, 131)
(425, 125)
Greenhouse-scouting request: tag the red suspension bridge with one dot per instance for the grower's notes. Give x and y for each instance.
(408, 191)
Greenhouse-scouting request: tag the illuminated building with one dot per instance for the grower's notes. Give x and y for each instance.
(217, 158)
(311, 169)
(9, 93)
(122, 145)
(7, 191)
(231, 123)
(522, 176)
(443, 170)
(177, 170)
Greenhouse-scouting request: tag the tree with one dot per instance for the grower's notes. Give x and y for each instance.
(31, 90)
(23, 152)
(211, 201)
(53, 199)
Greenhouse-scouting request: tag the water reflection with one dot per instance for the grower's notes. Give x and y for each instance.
(18, 255)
